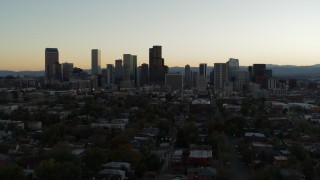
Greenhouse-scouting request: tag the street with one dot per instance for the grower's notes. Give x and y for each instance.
(239, 170)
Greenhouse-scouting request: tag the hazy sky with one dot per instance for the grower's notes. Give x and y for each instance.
(190, 31)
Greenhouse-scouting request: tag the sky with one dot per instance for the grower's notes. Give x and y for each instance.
(284, 32)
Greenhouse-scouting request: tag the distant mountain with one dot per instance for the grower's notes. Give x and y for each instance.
(21, 73)
(289, 70)
(277, 70)
(26, 73)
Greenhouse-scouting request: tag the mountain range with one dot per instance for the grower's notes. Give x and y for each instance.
(277, 70)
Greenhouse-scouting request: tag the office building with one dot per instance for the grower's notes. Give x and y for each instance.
(52, 66)
(273, 83)
(157, 69)
(118, 71)
(110, 74)
(194, 79)
(203, 69)
(261, 75)
(144, 74)
(130, 68)
(174, 81)
(201, 83)
(133, 74)
(67, 69)
(187, 76)
(250, 71)
(242, 76)
(220, 75)
(233, 67)
(95, 61)
(212, 77)
(257, 71)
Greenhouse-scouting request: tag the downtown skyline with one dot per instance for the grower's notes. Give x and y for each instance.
(190, 32)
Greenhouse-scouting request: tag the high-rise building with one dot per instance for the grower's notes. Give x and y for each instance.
(194, 78)
(212, 77)
(157, 69)
(174, 81)
(273, 83)
(104, 77)
(118, 71)
(130, 68)
(203, 69)
(187, 76)
(67, 69)
(110, 74)
(201, 83)
(133, 74)
(95, 61)
(144, 74)
(127, 61)
(261, 75)
(220, 75)
(233, 67)
(243, 77)
(257, 70)
(52, 64)
(250, 71)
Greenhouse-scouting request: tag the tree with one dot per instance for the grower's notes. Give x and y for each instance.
(12, 172)
(267, 173)
(299, 152)
(52, 170)
(62, 153)
(125, 154)
(93, 158)
(119, 140)
(153, 162)
(182, 141)
(317, 171)
(140, 169)
(247, 156)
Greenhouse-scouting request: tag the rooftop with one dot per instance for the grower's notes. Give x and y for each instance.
(200, 154)
(52, 50)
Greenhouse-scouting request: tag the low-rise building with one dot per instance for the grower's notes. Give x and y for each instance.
(204, 173)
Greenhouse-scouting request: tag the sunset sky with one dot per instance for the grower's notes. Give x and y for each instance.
(284, 32)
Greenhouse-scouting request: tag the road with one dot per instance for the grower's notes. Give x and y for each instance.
(239, 170)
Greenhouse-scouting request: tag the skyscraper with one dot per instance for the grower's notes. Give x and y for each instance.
(257, 70)
(67, 69)
(157, 69)
(127, 58)
(203, 69)
(110, 74)
(194, 78)
(95, 61)
(242, 77)
(144, 74)
(52, 64)
(133, 73)
(261, 75)
(233, 67)
(220, 75)
(174, 81)
(187, 76)
(212, 77)
(118, 71)
(130, 68)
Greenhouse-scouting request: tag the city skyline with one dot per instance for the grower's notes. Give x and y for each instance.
(190, 32)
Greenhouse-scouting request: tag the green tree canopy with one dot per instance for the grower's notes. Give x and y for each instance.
(53, 170)
(11, 172)
(93, 158)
